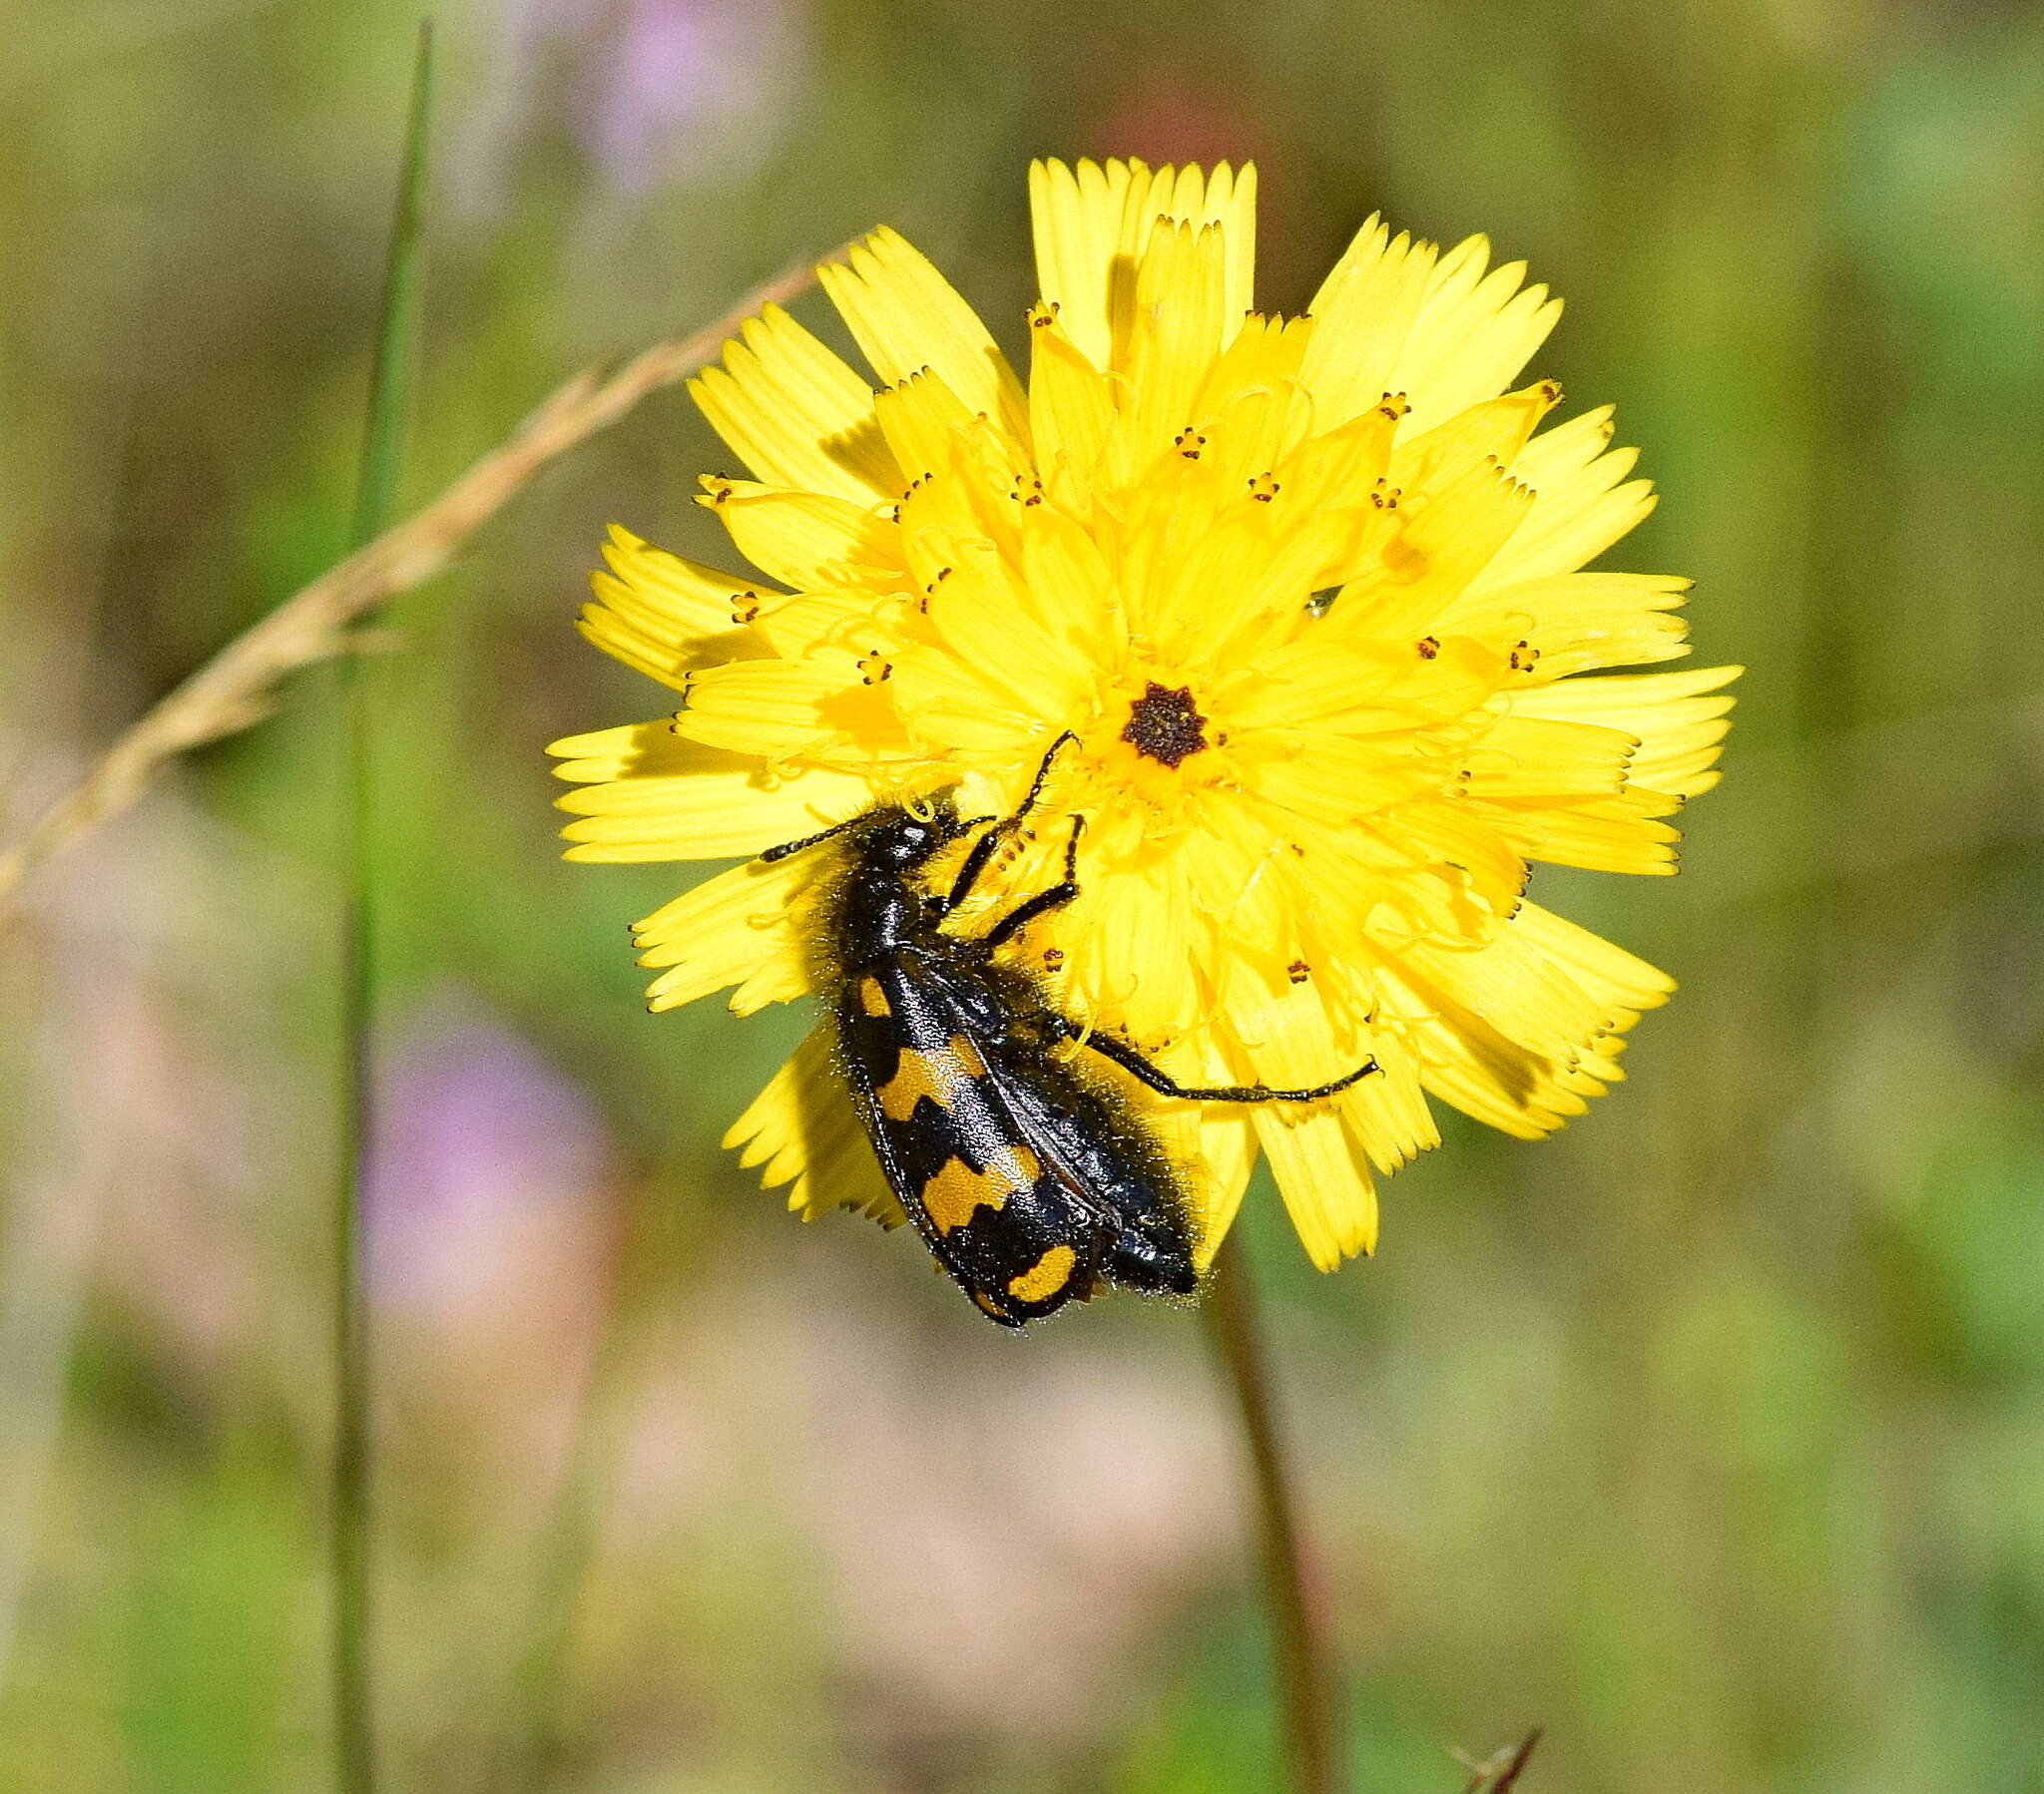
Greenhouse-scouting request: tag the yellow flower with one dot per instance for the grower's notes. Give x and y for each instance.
(1308, 592)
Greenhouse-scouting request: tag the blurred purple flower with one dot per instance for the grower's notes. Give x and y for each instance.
(683, 79)
(655, 90)
(481, 1151)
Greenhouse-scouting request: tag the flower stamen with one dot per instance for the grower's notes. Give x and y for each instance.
(1165, 727)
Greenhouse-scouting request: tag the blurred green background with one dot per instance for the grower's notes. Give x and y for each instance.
(1710, 1434)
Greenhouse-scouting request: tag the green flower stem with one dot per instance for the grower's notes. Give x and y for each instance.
(1304, 1662)
(351, 1472)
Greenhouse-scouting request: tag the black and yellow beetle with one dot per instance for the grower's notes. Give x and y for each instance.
(1030, 1182)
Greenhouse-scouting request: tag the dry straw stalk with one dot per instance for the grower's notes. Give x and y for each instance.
(236, 687)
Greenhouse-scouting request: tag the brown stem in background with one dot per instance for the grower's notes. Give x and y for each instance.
(1499, 1772)
(1304, 1661)
(1515, 1764)
(235, 690)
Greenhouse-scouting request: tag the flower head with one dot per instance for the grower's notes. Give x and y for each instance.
(1306, 590)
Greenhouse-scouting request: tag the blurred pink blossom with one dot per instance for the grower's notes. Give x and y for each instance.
(483, 1154)
(653, 89)
(489, 1217)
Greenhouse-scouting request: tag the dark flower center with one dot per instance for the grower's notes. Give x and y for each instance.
(1163, 724)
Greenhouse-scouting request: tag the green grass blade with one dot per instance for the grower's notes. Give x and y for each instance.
(351, 1489)
(391, 380)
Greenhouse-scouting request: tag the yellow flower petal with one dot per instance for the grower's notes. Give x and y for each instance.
(802, 1130)
(746, 927)
(1600, 834)
(848, 617)
(906, 316)
(1521, 993)
(1388, 1112)
(663, 615)
(1251, 432)
(1344, 466)
(1212, 1146)
(1578, 508)
(804, 537)
(1615, 979)
(1472, 334)
(1078, 217)
(1339, 675)
(953, 710)
(1677, 717)
(1331, 780)
(1574, 622)
(1475, 1069)
(987, 620)
(672, 799)
(631, 751)
(1071, 409)
(1361, 316)
(920, 415)
(1225, 198)
(1326, 1186)
(1180, 317)
(796, 413)
(781, 709)
(1227, 1156)
(1267, 565)
(1447, 539)
(1132, 942)
(1495, 430)
(1534, 756)
(1071, 587)
(1291, 1041)
(1092, 223)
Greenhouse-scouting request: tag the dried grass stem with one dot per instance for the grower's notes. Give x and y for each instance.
(236, 687)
